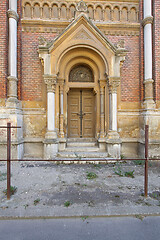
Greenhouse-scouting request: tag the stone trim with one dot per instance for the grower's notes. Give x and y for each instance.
(147, 20)
(12, 14)
(50, 81)
(149, 80)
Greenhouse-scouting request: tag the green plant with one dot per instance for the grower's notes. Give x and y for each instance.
(91, 175)
(13, 190)
(119, 171)
(36, 201)
(25, 206)
(139, 162)
(129, 174)
(122, 156)
(3, 176)
(139, 216)
(67, 203)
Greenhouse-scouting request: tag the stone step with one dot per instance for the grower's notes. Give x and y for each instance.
(82, 149)
(78, 155)
(87, 140)
(81, 144)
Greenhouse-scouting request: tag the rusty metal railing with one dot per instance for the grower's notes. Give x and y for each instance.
(9, 127)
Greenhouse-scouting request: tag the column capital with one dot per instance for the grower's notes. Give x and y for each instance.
(147, 20)
(12, 14)
(61, 84)
(113, 83)
(103, 83)
(50, 81)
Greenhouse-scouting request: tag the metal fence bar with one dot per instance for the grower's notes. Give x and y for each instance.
(146, 162)
(8, 160)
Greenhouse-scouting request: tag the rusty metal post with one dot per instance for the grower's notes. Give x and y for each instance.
(8, 160)
(146, 162)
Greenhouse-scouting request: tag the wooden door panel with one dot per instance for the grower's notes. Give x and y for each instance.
(88, 110)
(75, 99)
(73, 110)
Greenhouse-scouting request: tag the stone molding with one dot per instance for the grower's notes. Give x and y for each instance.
(12, 14)
(50, 81)
(147, 81)
(147, 20)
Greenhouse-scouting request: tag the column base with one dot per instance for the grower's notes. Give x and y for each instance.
(62, 144)
(13, 102)
(102, 143)
(51, 135)
(113, 142)
(149, 104)
(50, 148)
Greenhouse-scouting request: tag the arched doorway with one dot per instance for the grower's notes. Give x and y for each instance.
(81, 113)
(81, 104)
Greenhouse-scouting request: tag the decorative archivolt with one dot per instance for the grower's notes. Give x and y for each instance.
(66, 10)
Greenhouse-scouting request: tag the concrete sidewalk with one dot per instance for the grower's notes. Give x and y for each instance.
(46, 189)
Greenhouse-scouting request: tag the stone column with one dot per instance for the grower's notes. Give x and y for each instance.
(50, 142)
(50, 80)
(148, 81)
(102, 140)
(102, 108)
(62, 140)
(113, 139)
(12, 52)
(61, 108)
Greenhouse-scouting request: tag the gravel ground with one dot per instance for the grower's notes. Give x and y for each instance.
(50, 189)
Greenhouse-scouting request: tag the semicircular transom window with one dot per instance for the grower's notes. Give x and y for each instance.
(81, 73)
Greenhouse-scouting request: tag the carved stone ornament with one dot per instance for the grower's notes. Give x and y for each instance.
(12, 14)
(120, 44)
(51, 81)
(113, 83)
(147, 20)
(81, 6)
(81, 74)
(42, 41)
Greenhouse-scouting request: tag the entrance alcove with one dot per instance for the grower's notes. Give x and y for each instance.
(81, 46)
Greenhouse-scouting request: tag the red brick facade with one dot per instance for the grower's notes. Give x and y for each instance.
(3, 48)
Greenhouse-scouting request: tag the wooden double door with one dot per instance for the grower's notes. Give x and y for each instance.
(81, 113)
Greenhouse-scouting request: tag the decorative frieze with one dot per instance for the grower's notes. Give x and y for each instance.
(97, 11)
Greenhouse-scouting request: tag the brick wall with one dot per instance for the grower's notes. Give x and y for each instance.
(3, 48)
(130, 86)
(31, 66)
(156, 53)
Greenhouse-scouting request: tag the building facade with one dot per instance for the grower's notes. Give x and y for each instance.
(80, 72)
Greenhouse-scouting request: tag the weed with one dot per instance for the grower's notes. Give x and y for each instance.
(84, 218)
(36, 201)
(3, 176)
(97, 165)
(90, 204)
(25, 206)
(78, 184)
(139, 216)
(129, 174)
(67, 203)
(122, 156)
(119, 171)
(91, 175)
(13, 190)
(139, 162)
(117, 196)
(84, 185)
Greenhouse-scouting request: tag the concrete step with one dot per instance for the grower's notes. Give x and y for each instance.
(82, 149)
(78, 155)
